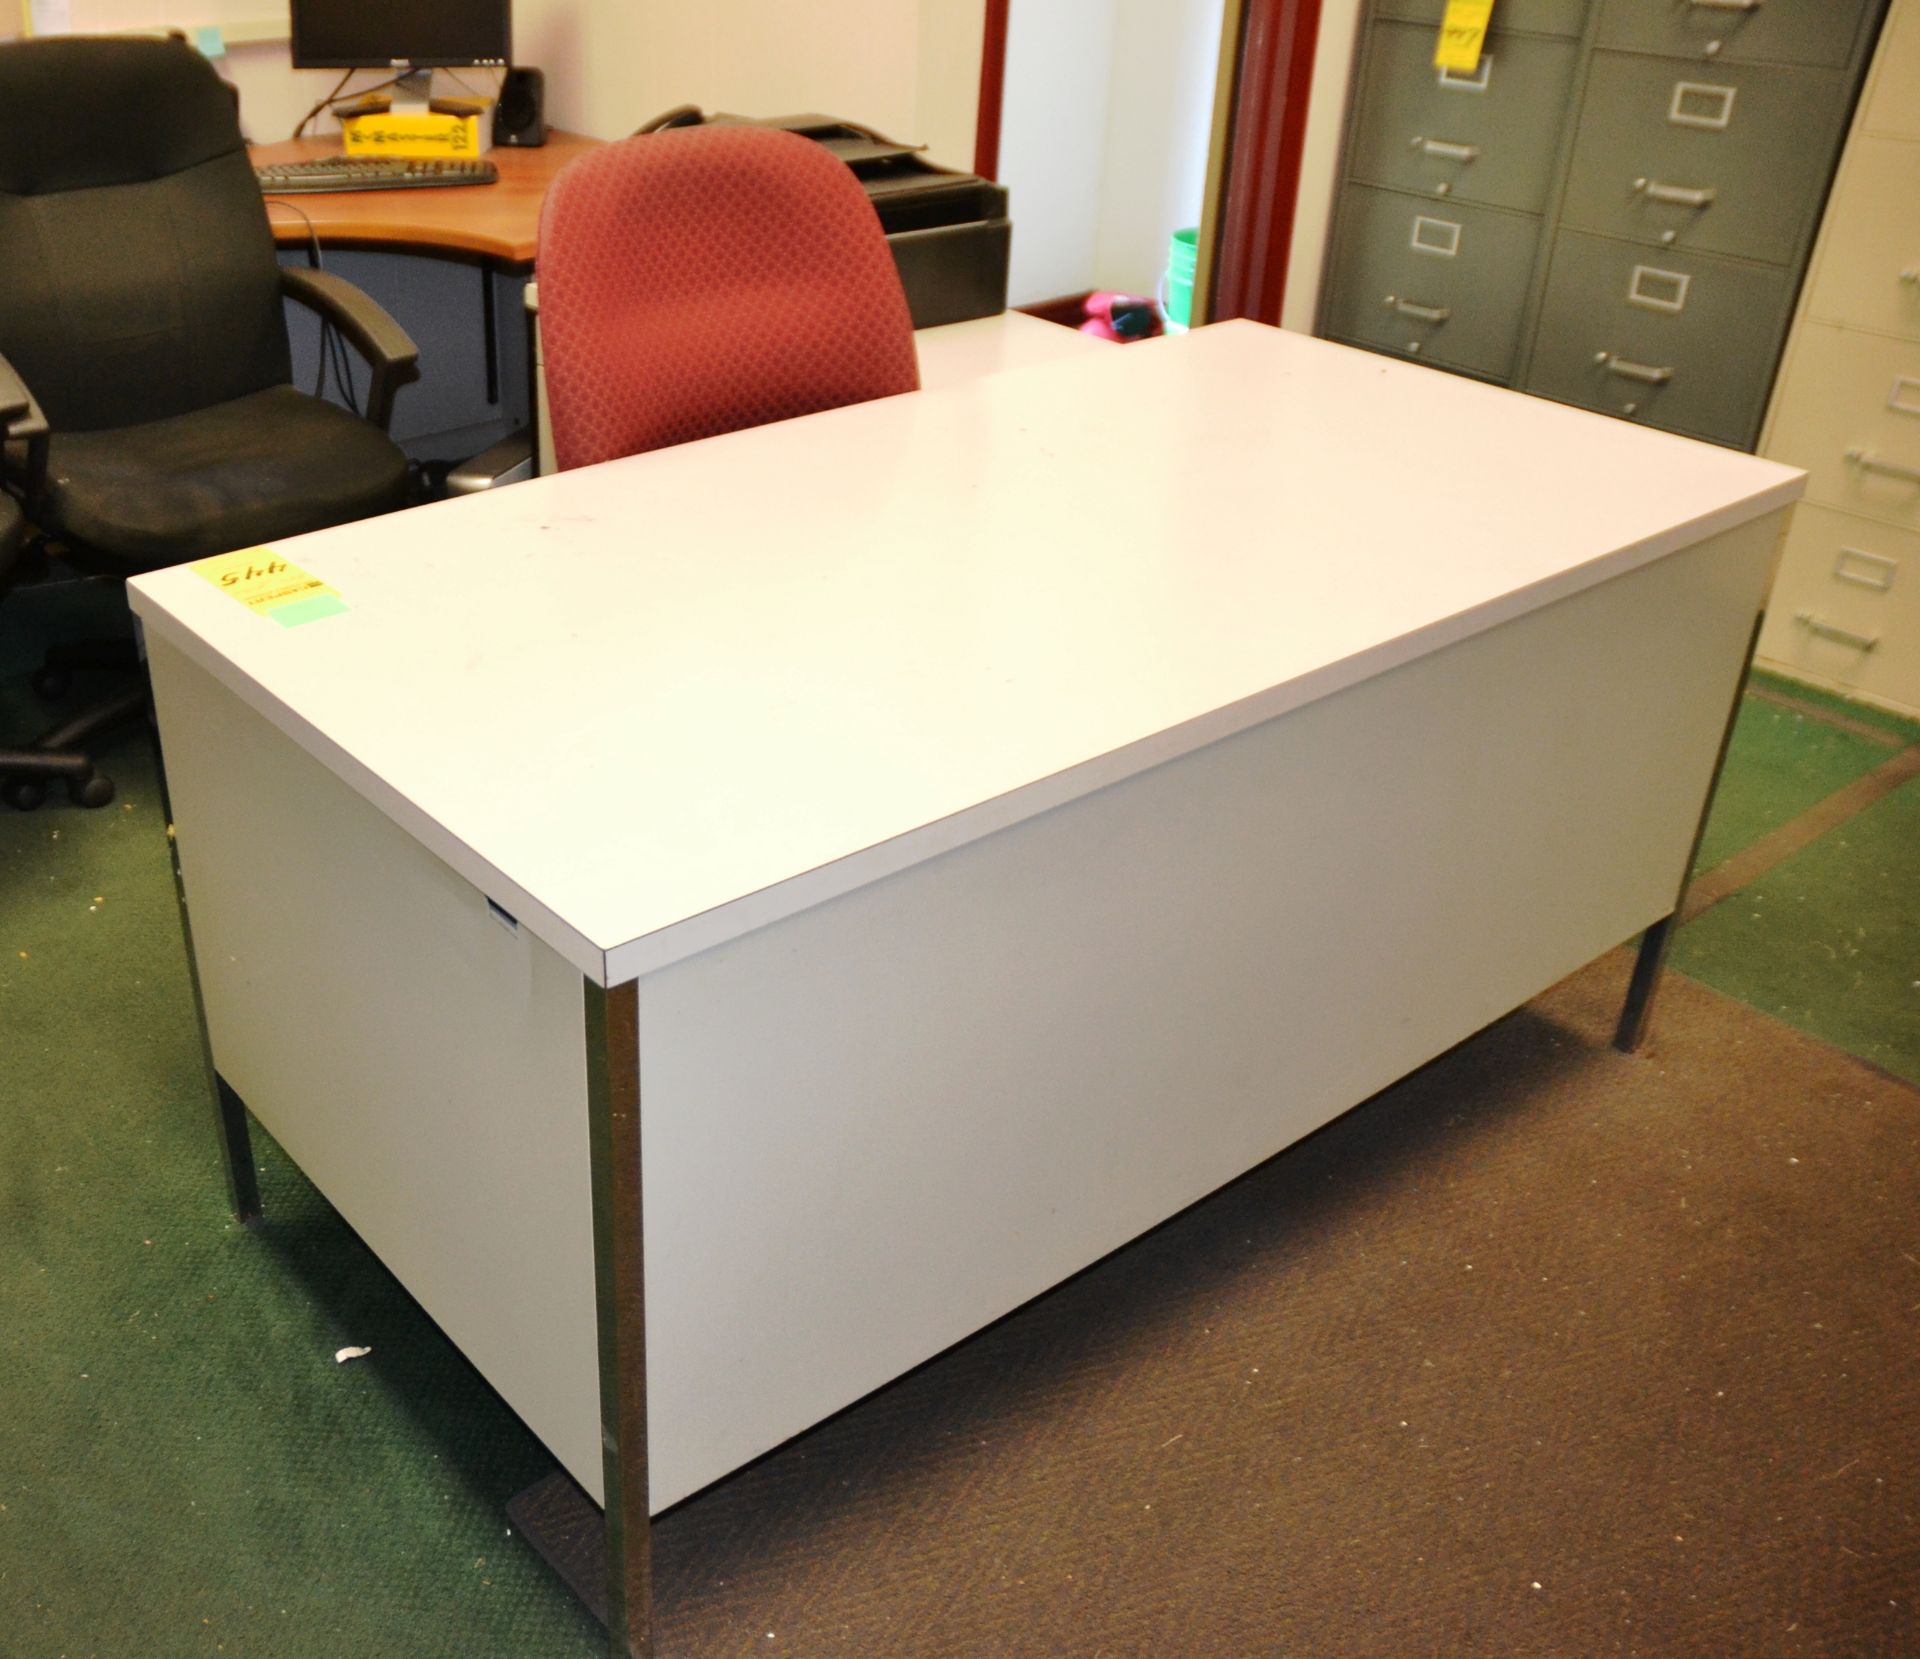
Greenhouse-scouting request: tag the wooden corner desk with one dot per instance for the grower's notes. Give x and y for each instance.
(498, 224)
(920, 847)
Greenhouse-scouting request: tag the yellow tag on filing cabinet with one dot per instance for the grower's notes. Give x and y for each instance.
(263, 581)
(1463, 32)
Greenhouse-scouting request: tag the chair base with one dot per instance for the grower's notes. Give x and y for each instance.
(58, 756)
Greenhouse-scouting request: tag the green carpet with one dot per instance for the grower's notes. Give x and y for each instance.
(182, 1455)
(1782, 762)
(1829, 940)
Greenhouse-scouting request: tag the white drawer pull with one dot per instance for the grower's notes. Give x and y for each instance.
(1864, 569)
(1678, 195)
(1833, 631)
(1444, 150)
(1726, 5)
(1426, 313)
(1645, 373)
(1867, 461)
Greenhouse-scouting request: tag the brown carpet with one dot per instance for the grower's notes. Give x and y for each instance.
(1546, 1351)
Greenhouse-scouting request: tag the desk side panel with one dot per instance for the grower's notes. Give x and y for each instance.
(421, 1062)
(875, 1126)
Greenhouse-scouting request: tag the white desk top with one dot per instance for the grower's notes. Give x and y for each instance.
(650, 705)
(957, 352)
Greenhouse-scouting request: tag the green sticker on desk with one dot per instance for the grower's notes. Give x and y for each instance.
(266, 583)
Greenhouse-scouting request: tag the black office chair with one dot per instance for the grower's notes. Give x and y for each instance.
(140, 308)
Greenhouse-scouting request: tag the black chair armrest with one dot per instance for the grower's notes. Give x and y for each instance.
(389, 353)
(22, 419)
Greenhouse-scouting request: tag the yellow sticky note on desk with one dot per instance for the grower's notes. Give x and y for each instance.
(264, 582)
(1463, 32)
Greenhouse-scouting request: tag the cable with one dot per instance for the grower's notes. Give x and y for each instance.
(333, 98)
(332, 349)
(300, 131)
(313, 236)
(454, 75)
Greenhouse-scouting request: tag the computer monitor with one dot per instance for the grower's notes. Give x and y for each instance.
(411, 37)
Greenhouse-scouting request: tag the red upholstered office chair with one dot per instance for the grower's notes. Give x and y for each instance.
(711, 278)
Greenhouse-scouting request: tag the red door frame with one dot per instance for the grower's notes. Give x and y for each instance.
(1266, 132)
(993, 77)
(1265, 137)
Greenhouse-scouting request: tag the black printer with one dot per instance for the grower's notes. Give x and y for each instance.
(949, 231)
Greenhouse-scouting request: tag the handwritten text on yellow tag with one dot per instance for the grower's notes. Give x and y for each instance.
(264, 582)
(1463, 32)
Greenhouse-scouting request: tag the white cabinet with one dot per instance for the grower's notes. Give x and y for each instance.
(1845, 611)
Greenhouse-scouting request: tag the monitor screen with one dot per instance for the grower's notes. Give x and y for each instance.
(382, 34)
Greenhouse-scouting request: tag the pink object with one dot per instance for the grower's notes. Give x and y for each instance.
(1121, 317)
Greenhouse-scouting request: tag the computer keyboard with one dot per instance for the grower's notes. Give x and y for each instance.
(369, 173)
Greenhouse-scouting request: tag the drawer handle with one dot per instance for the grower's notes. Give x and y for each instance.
(1645, 373)
(1679, 195)
(1833, 631)
(1911, 274)
(1726, 5)
(1426, 313)
(1445, 151)
(1867, 461)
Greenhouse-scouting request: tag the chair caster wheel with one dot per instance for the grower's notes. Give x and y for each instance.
(23, 794)
(94, 791)
(51, 684)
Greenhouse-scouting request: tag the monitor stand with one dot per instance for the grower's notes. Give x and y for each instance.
(413, 92)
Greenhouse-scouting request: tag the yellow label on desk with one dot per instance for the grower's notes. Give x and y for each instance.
(412, 137)
(1463, 32)
(263, 581)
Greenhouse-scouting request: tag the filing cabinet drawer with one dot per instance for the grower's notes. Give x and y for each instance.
(1540, 17)
(1893, 100)
(1730, 159)
(1738, 31)
(1845, 607)
(1678, 341)
(1849, 412)
(1487, 137)
(1869, 271)
(1438, 281)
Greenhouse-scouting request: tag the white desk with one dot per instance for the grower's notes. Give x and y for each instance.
(965, 829)
(955, 353)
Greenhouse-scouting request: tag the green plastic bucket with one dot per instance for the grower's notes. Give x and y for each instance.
(1183, 254)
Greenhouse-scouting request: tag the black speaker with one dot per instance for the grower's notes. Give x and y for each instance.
(520, 114)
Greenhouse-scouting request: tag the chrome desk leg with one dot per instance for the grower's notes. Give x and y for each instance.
(1637, 1011)
(236, 1145)
(230, 1113)
(613, 1107)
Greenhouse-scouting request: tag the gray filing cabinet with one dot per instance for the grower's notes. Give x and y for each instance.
(1614, 210)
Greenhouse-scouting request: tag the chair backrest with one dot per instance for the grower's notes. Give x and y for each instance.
(137, 272)
(711, 278)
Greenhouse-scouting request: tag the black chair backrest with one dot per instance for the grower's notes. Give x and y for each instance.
(137, 271)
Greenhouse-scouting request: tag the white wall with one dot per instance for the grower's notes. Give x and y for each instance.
(1320, 161)
(1166, 56)
(1053, 127)
(1103, 138)
(908, 67)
